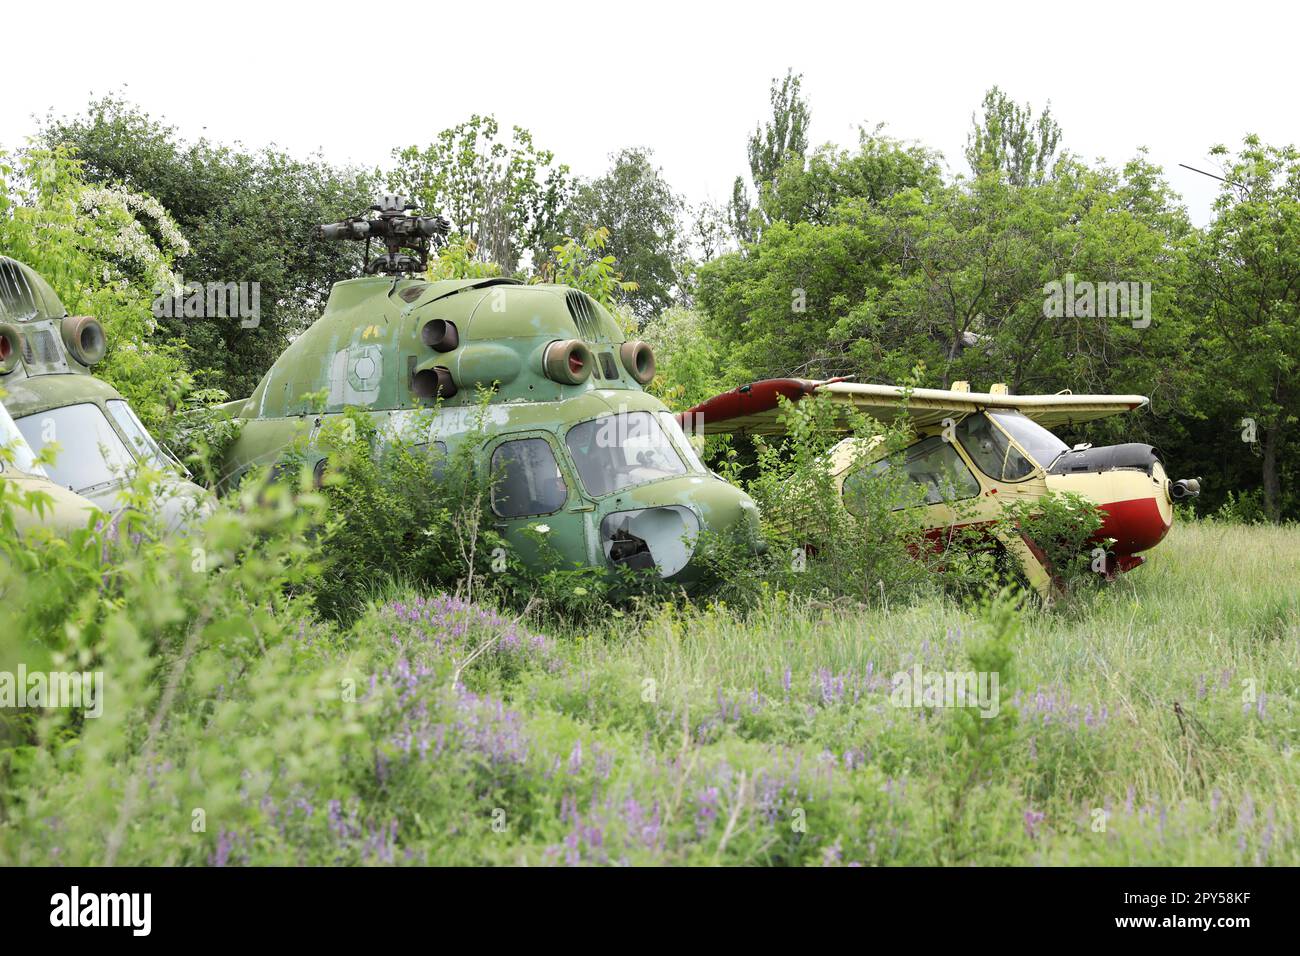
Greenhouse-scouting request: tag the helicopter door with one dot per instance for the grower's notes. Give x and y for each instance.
(529, 492)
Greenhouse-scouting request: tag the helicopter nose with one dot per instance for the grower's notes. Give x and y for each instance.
(665, 536)
(729, 512)
(661, 538)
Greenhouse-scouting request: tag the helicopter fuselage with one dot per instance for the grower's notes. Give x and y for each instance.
(540, 385)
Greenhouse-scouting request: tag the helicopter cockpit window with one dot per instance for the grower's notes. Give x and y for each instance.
(618, 451)
(527, 479)
(675, 432)
(90, 453)
(20, 454)
(146, 449)
(931, 463)
(992, 450)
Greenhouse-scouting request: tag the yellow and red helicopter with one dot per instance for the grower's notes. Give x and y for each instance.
(974, 453)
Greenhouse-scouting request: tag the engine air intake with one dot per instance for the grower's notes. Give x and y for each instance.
(639, 360)
(568, 362)
(84, 337)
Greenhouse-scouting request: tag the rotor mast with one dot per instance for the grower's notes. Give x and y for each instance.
(405, 235)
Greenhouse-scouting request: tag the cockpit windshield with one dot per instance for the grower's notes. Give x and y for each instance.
(146, 449)
(16, 452)
(1042, 445)
(1007, 446)
(90, 453)
(674, 429)
(618, 451)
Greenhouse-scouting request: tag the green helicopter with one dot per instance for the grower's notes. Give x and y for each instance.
(539, 378)
(46, 356)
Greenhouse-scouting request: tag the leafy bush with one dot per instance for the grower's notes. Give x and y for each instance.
(981, 746)
(549, 588)
(458, 259)
(400, 509)
(170, 622)
(240, 728)
(1243, 507)
(687, 361)
(583, 264)
(877, 551)
(200, 434)
(1063, 526)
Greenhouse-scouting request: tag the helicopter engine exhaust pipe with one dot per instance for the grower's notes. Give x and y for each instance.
(440, 335)
(1185, 488)
(433, 383)
(639, 360)
(84, 337)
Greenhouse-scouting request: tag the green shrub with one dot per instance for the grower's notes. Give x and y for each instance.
(1064, 527)
(1243, 507)
(170, 621)
(399, 510)
(240, 728)
(877, 552)
(200, 434)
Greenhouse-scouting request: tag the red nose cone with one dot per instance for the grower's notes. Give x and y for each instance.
(1136, 525)
(6, 349)
(575, 362)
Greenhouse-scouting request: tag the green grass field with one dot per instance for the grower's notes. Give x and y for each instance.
(1155, 723)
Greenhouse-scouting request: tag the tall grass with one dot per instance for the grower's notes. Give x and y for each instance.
(1154, 722)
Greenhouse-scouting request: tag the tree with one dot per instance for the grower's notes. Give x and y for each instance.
(1249, 268)
(953, 276)
(642, 213)
(778, 308)
(95, 245)
(772, 146)
(687, 357)
(458, 259)
(812, 190)
(505, 198)
(584, 264)
(248, 217)
(710, 231)
(1008, 139)
(976, 259)
(786, 136)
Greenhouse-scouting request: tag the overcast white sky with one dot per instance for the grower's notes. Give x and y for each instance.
(689, 80)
